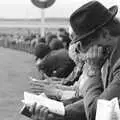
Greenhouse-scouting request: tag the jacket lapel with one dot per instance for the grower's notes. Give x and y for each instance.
(114, 62)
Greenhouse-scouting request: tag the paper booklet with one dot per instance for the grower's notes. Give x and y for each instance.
(53, 105)
(108, 110)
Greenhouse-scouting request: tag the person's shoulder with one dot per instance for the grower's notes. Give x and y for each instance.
(59, 55)
(51, 56)
(60, 52)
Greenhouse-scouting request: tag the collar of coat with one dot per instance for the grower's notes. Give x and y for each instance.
(115, 56)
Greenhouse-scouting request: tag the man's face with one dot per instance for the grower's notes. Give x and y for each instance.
(78, 51)
(81, 49)
(74, 55)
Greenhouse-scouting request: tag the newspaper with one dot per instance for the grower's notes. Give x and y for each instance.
(53, 105)
(108, 110)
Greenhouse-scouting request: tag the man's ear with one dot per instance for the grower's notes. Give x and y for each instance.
(105, 34)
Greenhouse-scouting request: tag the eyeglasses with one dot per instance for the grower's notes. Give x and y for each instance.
(84, 44)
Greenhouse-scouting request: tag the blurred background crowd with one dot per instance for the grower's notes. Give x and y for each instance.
(33, 38)
(51, 57)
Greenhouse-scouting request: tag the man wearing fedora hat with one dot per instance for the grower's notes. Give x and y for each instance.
(96, 42)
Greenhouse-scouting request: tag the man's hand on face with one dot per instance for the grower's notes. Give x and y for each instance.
(95, 56)
(92, 66)
(42, 113)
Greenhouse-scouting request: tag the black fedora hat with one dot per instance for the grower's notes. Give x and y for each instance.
(89, 18)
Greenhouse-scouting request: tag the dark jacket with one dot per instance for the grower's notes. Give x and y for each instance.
(94, 90)
(57, 64)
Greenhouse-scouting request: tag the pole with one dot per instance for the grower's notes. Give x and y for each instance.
(43, 22)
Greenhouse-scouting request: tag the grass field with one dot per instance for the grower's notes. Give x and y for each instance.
(15, 68)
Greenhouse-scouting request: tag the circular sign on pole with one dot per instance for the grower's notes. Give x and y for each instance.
(43, 3)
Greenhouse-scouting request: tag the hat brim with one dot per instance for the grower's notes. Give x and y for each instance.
(113, 10)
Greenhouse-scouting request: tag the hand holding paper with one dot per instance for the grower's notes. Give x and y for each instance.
(53, 106)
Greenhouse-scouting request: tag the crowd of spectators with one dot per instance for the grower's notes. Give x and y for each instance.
(33, 38)
(59, 73)
(52, 56)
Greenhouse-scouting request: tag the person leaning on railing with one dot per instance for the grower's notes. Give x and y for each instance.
(98, 39)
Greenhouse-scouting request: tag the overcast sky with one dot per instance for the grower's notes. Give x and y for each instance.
(61, 8)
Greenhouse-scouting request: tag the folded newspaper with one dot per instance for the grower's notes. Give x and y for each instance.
(108, 110)
(53, 105)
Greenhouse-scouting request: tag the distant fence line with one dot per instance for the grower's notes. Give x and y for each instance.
(20, 46)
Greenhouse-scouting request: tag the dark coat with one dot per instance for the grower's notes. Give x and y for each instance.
(57, 64)
(94, 90)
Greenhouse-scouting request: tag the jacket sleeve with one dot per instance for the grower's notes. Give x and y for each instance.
(75, 111)
(94, 91)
